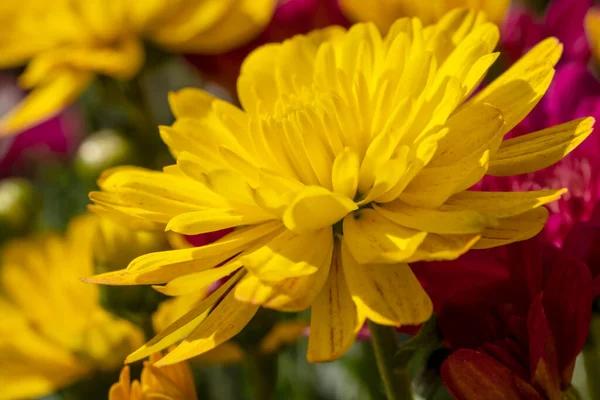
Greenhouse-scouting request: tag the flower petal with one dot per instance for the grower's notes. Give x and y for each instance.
(538, 150)
(520, 227)
(386, 294)
(473, 375)
(290, 255)
(372, 238)
(223, 322)
(334, 320)
(314, 208)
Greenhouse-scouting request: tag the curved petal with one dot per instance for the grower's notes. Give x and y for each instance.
(386, 294)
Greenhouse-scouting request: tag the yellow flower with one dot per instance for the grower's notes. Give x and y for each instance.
(174, 382)
(384, 12)
(282, 333)
(54, 331)
(67, 42)
(592, 27)
(351, 157)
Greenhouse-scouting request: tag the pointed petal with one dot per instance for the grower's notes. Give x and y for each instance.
(211, 220)
(538, 150)
(504, 204)
(388, 294)
(334, 320)
(184, 325)
(226, 320)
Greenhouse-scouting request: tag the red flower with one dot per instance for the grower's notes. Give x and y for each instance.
(515, 319)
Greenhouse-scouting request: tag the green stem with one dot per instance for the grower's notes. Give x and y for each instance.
(591, 359)
(262, 370)
(397, 382)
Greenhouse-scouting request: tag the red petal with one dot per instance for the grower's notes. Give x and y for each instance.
(567, 303)
(542, 351)
(473, 375)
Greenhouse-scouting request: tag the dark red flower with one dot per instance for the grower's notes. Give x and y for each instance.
(515, 319)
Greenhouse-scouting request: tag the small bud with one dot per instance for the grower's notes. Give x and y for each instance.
(102, 150)
(19, 206)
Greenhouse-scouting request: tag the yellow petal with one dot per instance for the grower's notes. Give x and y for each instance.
(538, 150)
(592, 30)
(226, 320)
(514, 229)
(520, 88)
(504, 204)
(443, 247)
(184, 325)
(290, 255)
(211, 220)
(373, 238)
(161, 267)
(45, 101)
(334, 320)
(388, 294)
(444, 219)
(198, 281)
(315, 208)
(345, 173)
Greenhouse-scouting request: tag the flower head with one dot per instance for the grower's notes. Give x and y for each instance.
(509, 328)
(66, 43)
(54, 331)
(174, 382)
(350, 158)
(384, 12)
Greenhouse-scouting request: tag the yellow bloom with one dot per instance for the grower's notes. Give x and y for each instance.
(54, 331)
(350, 158)
(283, 333)
(67, 42)
(174, 382)
(592, 27)
(384, 12)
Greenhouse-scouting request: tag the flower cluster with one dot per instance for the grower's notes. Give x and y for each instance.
(201, 183)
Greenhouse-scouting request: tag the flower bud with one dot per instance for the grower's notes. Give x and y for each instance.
(19, 206)
(102, 150)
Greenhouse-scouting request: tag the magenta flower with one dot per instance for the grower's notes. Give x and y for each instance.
(563, 19)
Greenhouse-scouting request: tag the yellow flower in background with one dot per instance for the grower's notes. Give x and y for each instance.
(67, 42)
(592, 28)
(54, 331)
(350, 158)
(384, 12)
(283, 333)
(174, 382)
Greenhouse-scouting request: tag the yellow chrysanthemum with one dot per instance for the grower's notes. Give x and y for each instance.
(592, 27)
(67, 42)
(384, 12)
(282, 333)
(351, 157)
(54, 331)
(174, 382)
